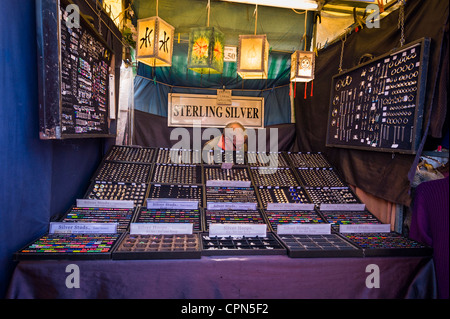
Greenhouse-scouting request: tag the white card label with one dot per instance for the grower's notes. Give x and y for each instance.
(304, 229)
(223, 183)
(230, 53)
(82, 228)
(231, 206)
(227, 165)
(342, 207)
(249, 230)
(289, 206)
(171, 203)
(101, 203)
(161, 228)
(365, 228)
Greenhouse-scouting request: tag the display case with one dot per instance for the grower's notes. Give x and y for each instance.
(75, 74)
(379, 105)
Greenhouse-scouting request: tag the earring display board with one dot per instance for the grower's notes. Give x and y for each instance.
(378, 105)
(75, 67)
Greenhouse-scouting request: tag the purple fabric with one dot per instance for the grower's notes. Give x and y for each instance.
(243, 277)
(430, 225)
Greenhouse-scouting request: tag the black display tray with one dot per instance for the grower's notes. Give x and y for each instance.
(267, 176)
(174, 174)
(332, 195)
(320, 177)
(275, 218)
(123, 172)
(234, 174)
(218, 194)
(387, 245)
(178, 156)
(232, 217)
(131, 154)
(337, 218)
(150, 215)
(274, 159)
(107, 190)
(319, 246)
(241, 245)
(282, 195)
(219, 157)
(177, 191)
(121, 216)
(64, 247)
(139, 247)
(307, 160)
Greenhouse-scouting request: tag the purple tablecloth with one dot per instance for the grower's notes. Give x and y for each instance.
(240, 277)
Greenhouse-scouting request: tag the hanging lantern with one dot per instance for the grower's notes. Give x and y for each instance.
(253, 57)
(302, 66)
(155, 42)
(206, 50)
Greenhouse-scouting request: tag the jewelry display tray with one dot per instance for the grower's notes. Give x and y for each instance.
(142, 247)
(61, 255)
(378, 105)
(241, 245)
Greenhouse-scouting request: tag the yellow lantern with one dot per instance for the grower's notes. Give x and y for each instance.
(302, 66)
(253, 57)
(155, 42)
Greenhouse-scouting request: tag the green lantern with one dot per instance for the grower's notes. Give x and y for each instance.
(206, 46)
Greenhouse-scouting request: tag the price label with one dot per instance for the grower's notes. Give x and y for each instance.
(304, 229)
(82, 228)
(161, 228)
(249, 230)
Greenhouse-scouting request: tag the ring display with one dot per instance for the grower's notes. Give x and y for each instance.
(367, 102)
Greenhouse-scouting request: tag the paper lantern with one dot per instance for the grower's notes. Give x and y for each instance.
(302, 66)
(206, 47)
(253, 57)
(155, 42)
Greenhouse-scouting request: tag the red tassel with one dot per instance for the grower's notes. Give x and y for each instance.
(306, 84)
(295, 89)
(312, 85)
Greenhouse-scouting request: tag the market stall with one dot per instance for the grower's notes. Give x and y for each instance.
(115, 181)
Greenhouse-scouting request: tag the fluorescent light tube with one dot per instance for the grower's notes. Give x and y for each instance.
(291, 4)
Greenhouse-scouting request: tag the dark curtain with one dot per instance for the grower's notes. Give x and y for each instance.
(152, 131)
(384, 175)
(39, 179)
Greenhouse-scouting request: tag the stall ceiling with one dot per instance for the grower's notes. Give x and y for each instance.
(284, 27)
